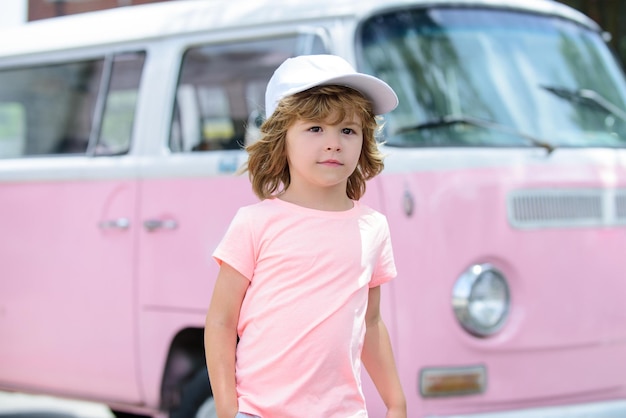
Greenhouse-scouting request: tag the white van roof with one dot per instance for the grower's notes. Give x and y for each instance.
(151, 21)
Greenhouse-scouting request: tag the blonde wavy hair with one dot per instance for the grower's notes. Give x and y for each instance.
(267, 164)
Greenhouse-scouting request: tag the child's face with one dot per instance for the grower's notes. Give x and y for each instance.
(321, 154)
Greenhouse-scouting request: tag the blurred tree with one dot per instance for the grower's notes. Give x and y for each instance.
(610, 15)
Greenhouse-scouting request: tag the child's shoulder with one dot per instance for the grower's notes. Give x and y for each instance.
(369, 211)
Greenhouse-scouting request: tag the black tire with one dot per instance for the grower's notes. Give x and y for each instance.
(196, 398)
(120, 414)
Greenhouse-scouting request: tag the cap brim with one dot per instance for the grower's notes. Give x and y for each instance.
(382, 96)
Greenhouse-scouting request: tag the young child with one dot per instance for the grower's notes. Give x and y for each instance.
(300, 271)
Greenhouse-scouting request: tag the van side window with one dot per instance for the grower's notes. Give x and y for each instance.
(63, 108)
(12, 129)
(48, 109)
(220, 96)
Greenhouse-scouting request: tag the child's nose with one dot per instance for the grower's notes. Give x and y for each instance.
(334, 142)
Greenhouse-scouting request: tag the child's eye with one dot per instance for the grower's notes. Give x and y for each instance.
(347, 131)
(315, 129)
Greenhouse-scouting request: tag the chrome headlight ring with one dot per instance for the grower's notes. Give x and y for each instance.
(481, 300)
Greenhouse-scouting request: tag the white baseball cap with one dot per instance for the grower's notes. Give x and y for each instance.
(303, 72)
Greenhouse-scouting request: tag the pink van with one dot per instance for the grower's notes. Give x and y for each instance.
(505, 190)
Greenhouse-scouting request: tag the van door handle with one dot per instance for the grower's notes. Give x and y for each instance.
(154, 224)
(119, 223)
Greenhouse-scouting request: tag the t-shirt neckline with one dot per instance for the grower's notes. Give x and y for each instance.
(342, 214)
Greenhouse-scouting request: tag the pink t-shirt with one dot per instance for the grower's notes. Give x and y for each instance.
(302, 321)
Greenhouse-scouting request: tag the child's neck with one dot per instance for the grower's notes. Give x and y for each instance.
(332, 201)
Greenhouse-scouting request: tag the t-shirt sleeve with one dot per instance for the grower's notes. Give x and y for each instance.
(385, 269)
(237, 246)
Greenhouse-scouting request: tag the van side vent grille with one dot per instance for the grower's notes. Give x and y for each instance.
(563, 208)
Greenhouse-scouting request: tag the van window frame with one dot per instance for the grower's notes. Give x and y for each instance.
(318, 35)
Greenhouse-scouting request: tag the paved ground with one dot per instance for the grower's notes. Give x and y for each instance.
(17, 405)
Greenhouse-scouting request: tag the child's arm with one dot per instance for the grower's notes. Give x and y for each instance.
(378, 359)
(220, 338)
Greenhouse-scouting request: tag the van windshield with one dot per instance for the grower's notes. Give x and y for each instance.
(491, 77)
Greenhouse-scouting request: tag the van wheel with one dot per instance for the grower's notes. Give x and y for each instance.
(120, 414)
(196, 399)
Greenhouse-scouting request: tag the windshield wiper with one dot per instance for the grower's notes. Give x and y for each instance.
(448, 120)
(587, 97)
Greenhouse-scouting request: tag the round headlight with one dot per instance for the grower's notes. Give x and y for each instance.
(480, 299)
